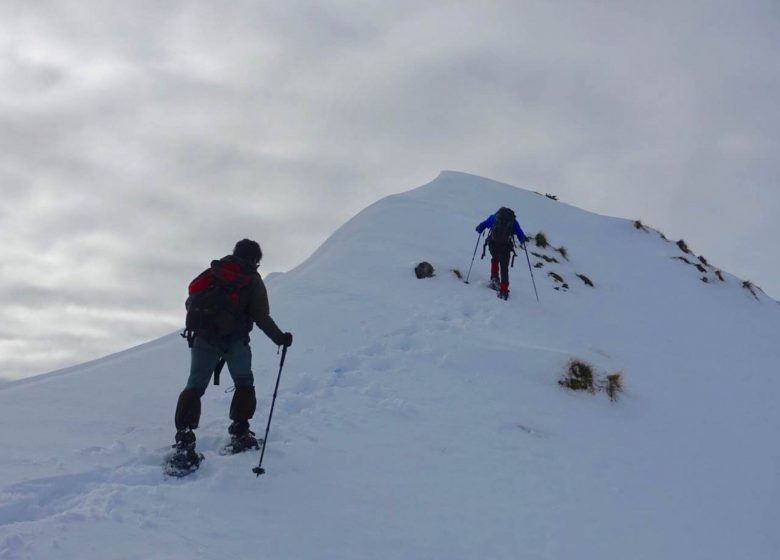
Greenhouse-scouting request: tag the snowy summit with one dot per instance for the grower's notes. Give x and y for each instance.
(425, 418)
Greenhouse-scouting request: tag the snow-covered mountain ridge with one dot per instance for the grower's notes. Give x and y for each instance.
(423, 418)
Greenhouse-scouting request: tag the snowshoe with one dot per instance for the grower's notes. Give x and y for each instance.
(503, 295)
(182, 462)
(241, 442)
(493, 285)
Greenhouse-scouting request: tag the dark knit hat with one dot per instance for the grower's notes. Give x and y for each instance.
(248, 250)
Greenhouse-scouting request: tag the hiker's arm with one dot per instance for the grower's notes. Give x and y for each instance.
(519, 232)
(487, 223)
(272, 331)
(260, 313)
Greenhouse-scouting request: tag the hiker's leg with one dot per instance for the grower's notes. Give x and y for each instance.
(239, 363)
(242, 409)
(494, 260)
(244, 403)
(203, 359)
(504, 265)
(187, 410)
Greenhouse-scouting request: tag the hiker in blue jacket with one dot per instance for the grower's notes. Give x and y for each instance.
(503, 228)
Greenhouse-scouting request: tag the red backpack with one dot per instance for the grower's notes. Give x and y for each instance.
(217, 303)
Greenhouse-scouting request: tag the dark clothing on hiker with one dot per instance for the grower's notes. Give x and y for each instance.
(490, 221)
(205, 356)
(500, 254)
(252, 304)
(501, 251)
(226, 337)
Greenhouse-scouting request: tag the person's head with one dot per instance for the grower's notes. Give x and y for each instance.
(249, 251)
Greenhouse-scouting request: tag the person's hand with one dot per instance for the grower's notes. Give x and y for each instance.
(478, 230)
(287, 339)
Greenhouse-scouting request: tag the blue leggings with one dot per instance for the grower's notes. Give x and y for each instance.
(205, 356)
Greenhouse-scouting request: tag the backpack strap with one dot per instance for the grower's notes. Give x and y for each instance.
(189, 335)
(218, 370)
(514, 253)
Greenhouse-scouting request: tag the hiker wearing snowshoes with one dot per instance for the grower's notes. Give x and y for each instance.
(224, 303)
(503, 228)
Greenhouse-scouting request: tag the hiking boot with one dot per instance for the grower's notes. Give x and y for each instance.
(244, 442)
(238, 428)
(184, 459)
(185, 440)
(493, 285)
(241, 439)
(503, 291)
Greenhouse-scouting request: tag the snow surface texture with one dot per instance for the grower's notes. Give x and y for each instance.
(422, 419)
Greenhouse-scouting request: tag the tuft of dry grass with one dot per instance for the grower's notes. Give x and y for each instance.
(586, 280)
(703, 261)
(719, 274)
(683, 247)
(614, 386)
(457, 273)
(555, 276)
(541, 240)
(539, 265)
(750, 287)
(545, 257)
(578, 376)
(551, 196)
(564, 252)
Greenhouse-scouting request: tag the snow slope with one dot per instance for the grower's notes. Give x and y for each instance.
(422, 419)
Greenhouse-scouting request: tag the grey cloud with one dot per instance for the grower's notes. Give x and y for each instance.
(138, 141)
(29, 77)
(84, 294)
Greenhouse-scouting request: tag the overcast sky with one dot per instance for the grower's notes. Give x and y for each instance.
(138, 140)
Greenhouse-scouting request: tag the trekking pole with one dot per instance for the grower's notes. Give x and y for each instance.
(258, 470)
(474, 255)
(530, 269)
